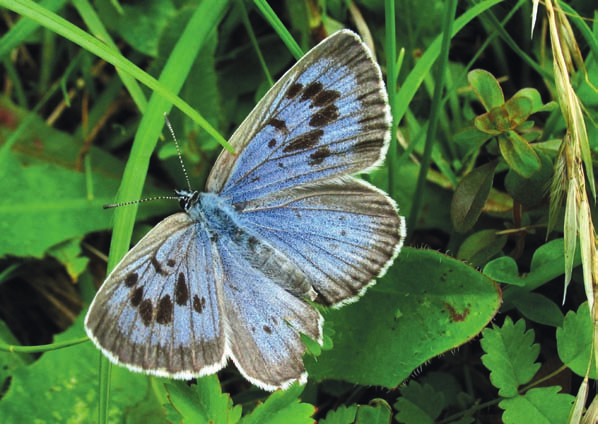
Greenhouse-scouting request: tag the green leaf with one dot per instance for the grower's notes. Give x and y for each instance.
(377, 412)
(480, 247)
(575, 341)
(470, 196)
(203, 402)
(504, 270)
(342, 415)
(520, 156)
(510, 356)
(43, 195)
(519, 109)
(530, 191)
(414, 405)
(67, 380)
(496, 121)
(282, 406)
(533, 96)
(537, 307)
(139, 24)
(471, 139)
(400, 324)
(538, 406)
(486, 88)
(70, 254)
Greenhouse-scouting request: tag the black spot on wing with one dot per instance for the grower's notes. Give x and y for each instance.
(136, 297)
(312, 90)
(131, 279)
(171, 262)
(324, 116)
(146, 312)
(181, 291)
(325, 97)
(304, 141)
(294, 90)
(165, 310)
(279, 124)
(317, 157)
(199, 304)
(267, 329)
(157, 266)
(272, 143)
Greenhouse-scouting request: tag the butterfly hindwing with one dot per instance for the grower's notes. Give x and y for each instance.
(160, 310)
(266, 322)
(326, 117)
(340, 245)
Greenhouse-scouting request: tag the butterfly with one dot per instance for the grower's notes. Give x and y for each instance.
(281, 226)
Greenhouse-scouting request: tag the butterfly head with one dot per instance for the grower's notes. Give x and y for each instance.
(187, 198)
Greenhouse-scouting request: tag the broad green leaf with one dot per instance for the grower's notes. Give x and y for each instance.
(530, 191)
(471, 195)
(67, 381)
(510, 356)
(282, 406)
(470, 139)
(537, 307)
(377, 412)
(504, 270)
(70, 254)
(538, 406)
(45, 198)
(136, 20)
(480, 247)
(519, 109)
(486, 88)
(575, 341)
(342, 415)
(414, 405)
(203, 402)
(520, 156)
(427, 304)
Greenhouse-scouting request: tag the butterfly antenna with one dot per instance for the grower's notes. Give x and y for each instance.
(134, 202)
(178, 149)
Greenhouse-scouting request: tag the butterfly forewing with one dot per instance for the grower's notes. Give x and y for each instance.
(326, 117)
(160, 310)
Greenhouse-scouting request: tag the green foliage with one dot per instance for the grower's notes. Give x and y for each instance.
(510, 356)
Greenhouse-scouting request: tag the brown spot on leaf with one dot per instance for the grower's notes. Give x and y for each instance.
(455, 316)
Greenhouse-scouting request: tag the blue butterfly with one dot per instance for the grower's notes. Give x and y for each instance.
(282, 225)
